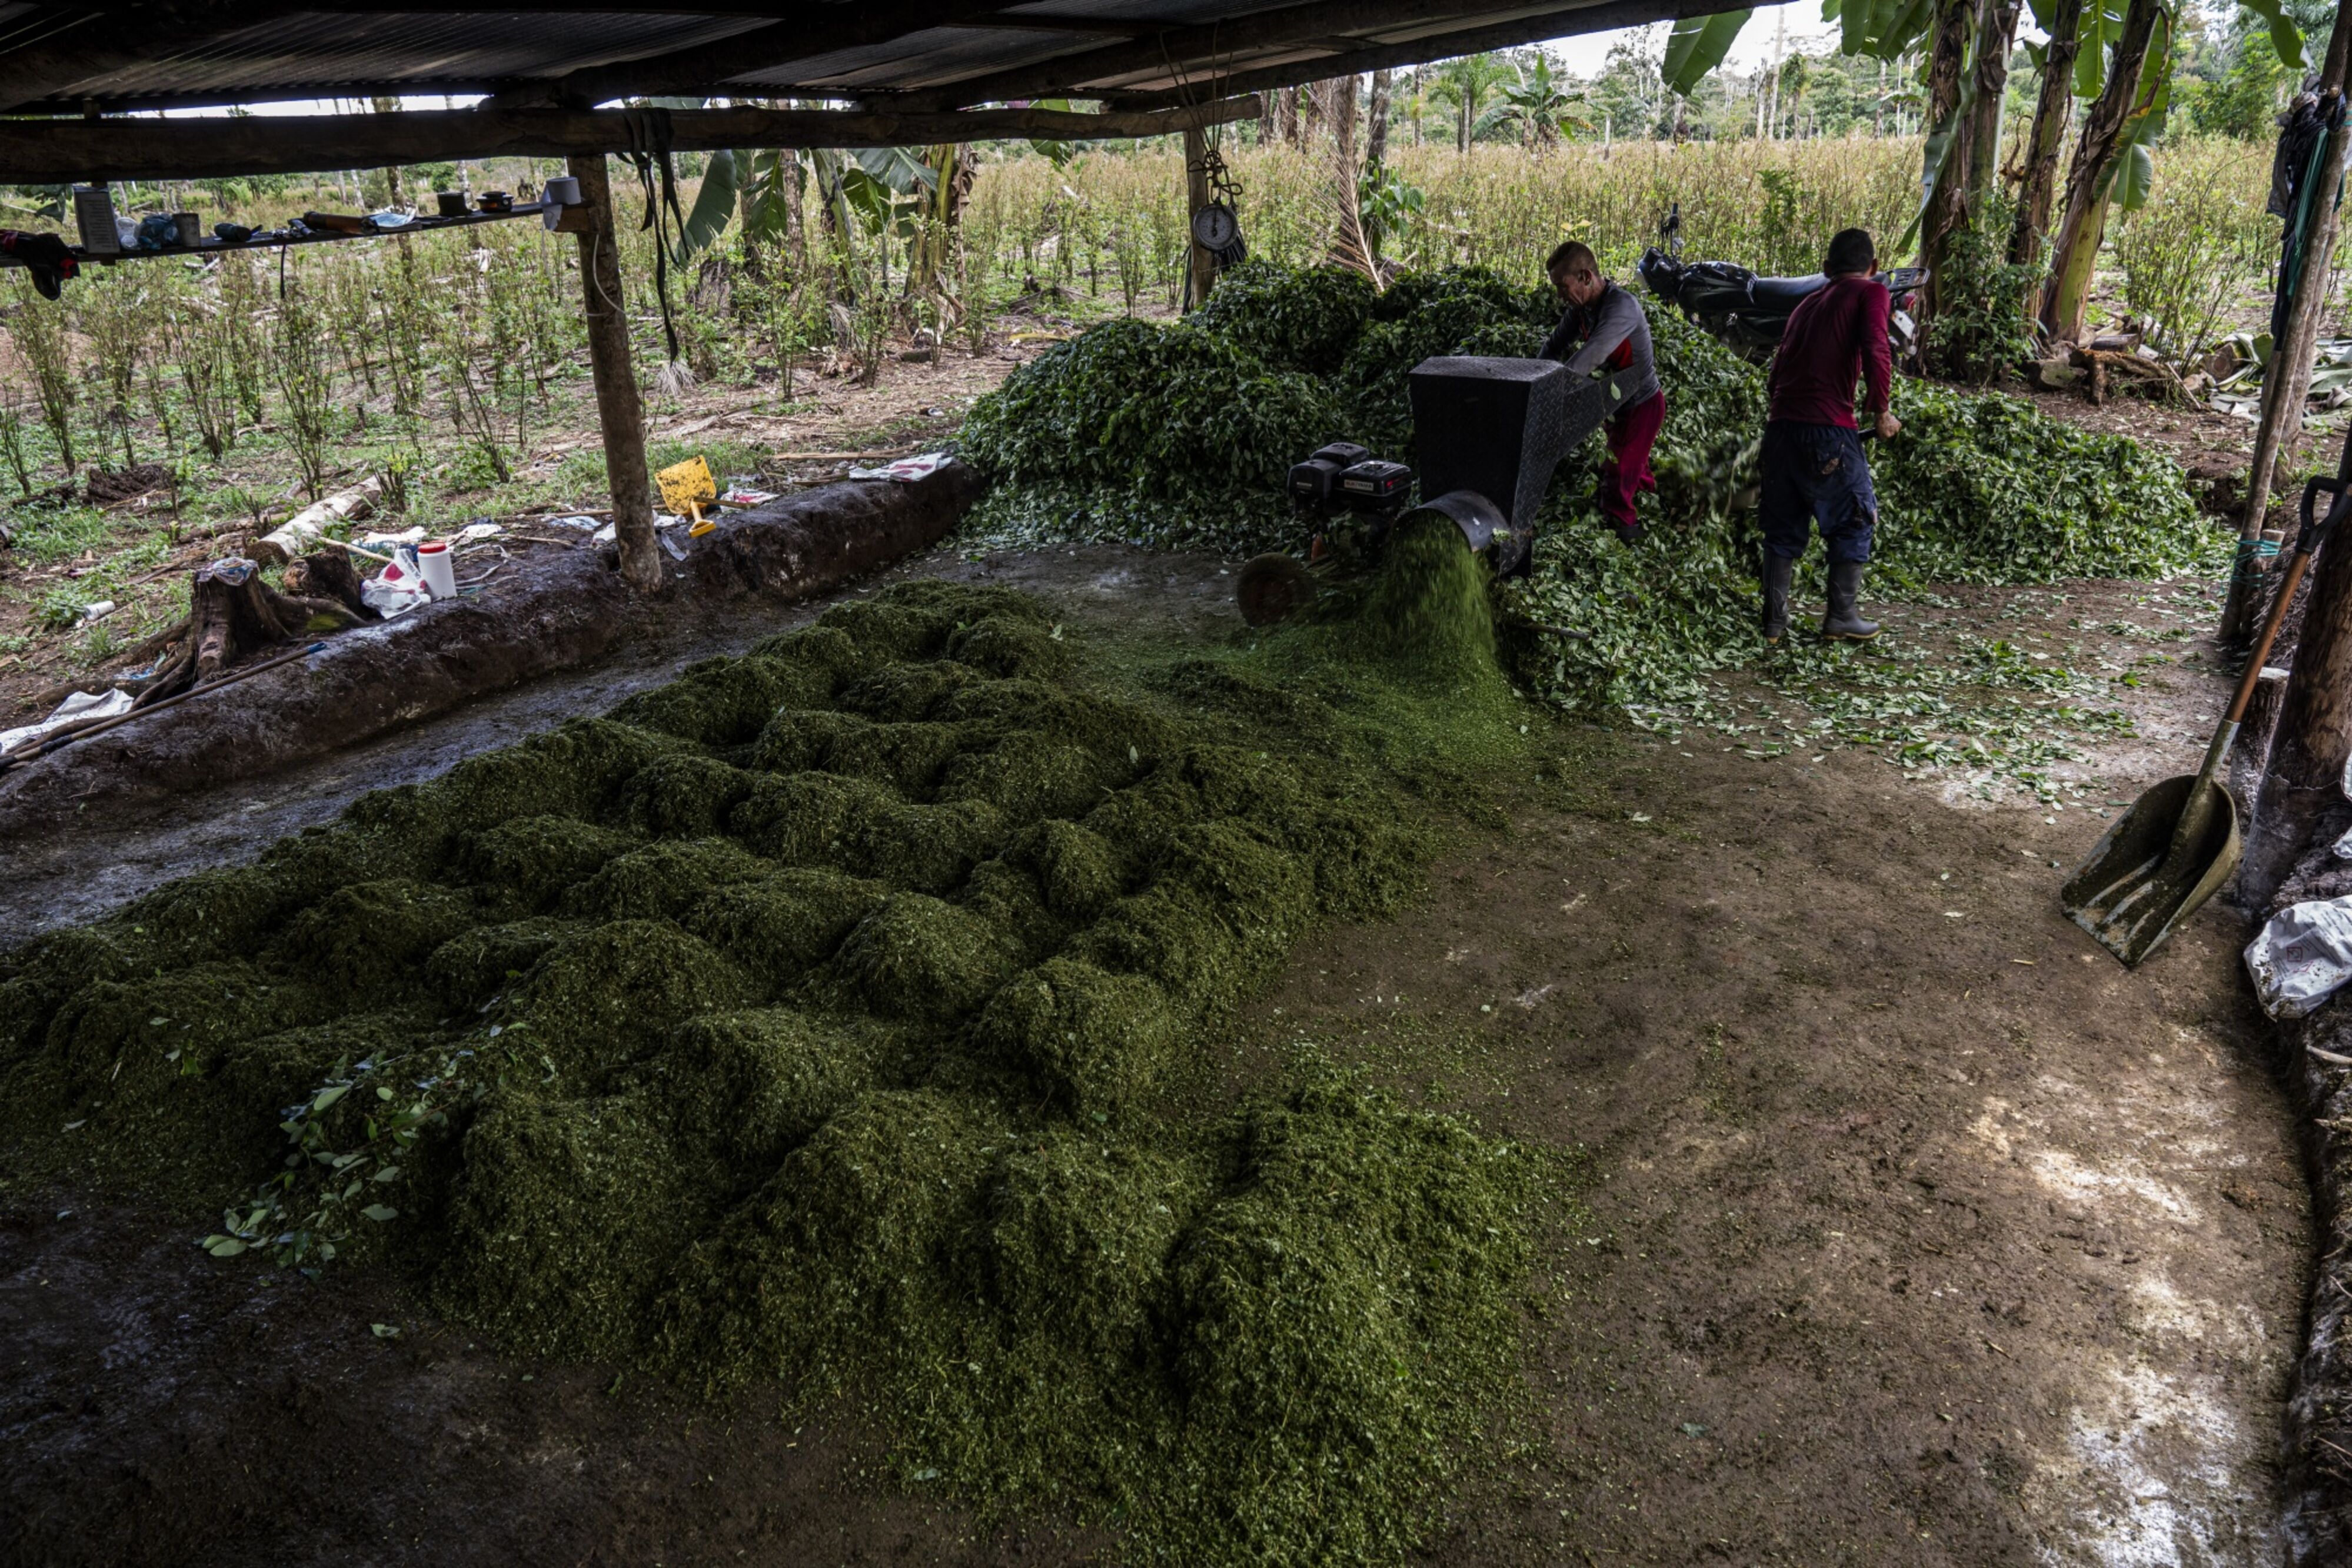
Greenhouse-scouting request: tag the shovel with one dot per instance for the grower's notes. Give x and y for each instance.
(2179, 843)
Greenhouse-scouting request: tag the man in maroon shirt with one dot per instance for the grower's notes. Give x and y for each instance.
(1813, 468)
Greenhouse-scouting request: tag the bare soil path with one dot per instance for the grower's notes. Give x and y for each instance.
(1919, 1232)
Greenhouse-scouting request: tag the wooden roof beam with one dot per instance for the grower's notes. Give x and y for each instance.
(55, 152)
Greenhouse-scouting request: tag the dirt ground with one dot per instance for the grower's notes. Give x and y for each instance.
(1919, 1231)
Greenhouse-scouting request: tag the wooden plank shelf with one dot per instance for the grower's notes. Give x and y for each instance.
(548, 213)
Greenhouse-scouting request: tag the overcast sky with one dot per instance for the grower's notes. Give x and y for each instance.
(1586, 54)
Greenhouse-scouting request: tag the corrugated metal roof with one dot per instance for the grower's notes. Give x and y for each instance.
(930, 58)
(319, 48)
(257, 55)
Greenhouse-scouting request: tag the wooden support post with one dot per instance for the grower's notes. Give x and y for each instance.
(2288, 382)
(2315, 733)
(618, 409)
(1202, 267)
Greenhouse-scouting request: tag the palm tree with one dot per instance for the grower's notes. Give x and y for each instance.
(1467, 81)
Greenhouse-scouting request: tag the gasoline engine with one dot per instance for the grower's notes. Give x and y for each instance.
(1487, 434)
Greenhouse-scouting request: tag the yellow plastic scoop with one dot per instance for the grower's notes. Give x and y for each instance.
(686, 487)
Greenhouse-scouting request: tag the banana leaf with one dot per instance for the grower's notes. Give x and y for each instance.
(714, 206)
(2286, 37)
(1697, 45)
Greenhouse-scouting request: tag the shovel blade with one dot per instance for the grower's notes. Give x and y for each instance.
(2131, 894)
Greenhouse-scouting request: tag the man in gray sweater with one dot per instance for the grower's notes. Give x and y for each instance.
(1604, 332)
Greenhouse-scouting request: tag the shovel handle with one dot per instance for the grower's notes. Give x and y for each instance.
(2309, 536)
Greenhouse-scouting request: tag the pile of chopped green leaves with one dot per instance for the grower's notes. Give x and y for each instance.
(1978, 490)
(852, 1012)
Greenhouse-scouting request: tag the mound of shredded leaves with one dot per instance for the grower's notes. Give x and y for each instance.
(1979, 488)
(839, 1013)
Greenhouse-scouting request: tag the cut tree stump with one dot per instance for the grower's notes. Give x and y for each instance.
(328, 575)
(2105, 364)
(232, 615)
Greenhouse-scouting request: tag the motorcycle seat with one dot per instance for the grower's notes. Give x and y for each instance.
(1719, 272)
(1784, 292)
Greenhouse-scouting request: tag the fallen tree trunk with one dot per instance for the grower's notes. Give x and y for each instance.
(557, 610)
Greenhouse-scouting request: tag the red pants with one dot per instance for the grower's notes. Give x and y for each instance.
(1625, 473)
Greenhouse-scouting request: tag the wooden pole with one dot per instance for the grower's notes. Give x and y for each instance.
(618, 409)
(2314, 730)
(2289, 381)
(1201, 274)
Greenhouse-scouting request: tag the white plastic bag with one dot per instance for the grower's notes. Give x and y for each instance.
(2301, 956)
(82, 707)
(906, 469)
(399, 587)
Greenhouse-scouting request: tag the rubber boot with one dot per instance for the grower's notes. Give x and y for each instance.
(1844, 619)
(1778, 575)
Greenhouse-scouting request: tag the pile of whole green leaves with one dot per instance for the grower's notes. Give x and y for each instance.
(1293, 318)
(1166, 435)
(1180, 437)
(1134, 432)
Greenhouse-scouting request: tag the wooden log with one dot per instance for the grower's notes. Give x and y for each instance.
(290, 537)
(2252, 753)
(62, 151)
(619, 411)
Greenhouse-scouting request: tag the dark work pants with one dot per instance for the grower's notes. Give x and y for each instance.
(1816, 474)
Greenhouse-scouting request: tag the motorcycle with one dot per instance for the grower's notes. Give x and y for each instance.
(1750, 313)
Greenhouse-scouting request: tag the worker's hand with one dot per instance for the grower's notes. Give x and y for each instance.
(1888, 426)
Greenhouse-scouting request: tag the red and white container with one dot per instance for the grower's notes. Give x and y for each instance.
(440, 572)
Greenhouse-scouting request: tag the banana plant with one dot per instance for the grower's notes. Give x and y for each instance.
(1698, 44)
(1536, 102)
(882, 190)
